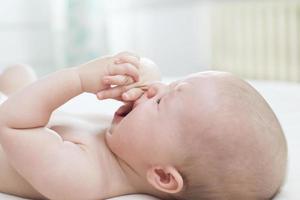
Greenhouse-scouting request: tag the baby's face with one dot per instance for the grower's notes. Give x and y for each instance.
(219, 118)
(152, 128)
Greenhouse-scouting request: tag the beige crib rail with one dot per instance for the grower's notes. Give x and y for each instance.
(257, 40)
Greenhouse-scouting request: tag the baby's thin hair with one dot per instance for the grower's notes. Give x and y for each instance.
(260, 121)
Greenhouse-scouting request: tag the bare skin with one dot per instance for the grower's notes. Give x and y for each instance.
(145, 148)
(75, 143)
(18, 76)
(13, 183)
(12, 79)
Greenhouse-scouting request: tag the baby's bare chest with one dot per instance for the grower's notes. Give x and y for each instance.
(79, 128)
(91, 133)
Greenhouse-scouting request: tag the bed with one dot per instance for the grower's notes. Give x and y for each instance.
(283, 97)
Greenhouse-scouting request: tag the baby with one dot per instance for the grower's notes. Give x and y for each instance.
(207, 136)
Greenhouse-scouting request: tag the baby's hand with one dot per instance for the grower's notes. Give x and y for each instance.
(125, 88)
(92, 73)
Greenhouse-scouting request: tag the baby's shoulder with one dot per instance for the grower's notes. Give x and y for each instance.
(86, 135)
(101, 165)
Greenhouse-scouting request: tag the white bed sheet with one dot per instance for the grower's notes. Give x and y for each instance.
(284, 98)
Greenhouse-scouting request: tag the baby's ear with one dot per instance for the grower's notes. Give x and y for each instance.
(166, 179)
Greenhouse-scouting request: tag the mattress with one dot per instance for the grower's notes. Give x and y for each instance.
(283, 97)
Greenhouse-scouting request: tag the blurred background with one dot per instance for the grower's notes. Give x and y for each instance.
(254, 39)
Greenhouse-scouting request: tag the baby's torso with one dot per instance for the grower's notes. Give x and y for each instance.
(82, 129)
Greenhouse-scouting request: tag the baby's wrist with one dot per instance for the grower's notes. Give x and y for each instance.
(90, 75)
(83, 77)
(78, 73)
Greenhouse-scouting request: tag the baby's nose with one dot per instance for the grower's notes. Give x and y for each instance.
(157, 89)
(154, 90)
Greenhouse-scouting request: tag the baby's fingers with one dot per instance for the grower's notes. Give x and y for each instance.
(134, 60)
(125, 69)
(112, 93)
(117, 80)
(132, 94)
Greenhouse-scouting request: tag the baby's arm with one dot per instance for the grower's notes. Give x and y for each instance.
(53, 166)
(32, 106)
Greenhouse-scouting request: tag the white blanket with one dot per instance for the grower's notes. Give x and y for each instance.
(284, 98)
(125, 197)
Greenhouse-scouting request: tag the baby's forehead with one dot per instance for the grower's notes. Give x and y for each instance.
(194, 81)
(210, 89)
(194, 77)
(194, 91)
(209, 79)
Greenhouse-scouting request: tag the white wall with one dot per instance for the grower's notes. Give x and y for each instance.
(47, 33)
(176, 34)
(28, 33)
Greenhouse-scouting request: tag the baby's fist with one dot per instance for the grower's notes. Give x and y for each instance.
(128, 90)
(91, 74)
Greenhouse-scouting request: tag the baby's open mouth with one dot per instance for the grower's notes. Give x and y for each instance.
(122, 112)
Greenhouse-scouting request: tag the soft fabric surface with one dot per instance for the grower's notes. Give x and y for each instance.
(284, 98)
(126, 197)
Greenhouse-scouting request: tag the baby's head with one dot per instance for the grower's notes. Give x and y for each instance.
(208, 136)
